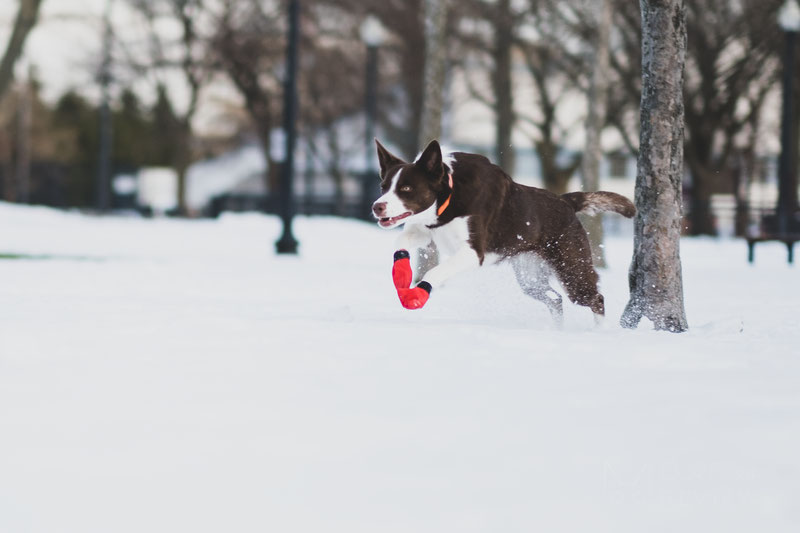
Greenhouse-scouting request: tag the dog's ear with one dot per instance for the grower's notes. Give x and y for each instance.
(431, 159)
(386, 158)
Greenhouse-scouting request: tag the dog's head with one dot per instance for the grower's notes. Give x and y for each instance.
(409, 189)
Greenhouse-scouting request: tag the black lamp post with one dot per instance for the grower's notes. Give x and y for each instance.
(372, 33)
(789, 20)
(287, 244)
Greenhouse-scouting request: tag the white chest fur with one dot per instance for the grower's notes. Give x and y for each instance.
(448, 238)
(452, 236)
(452, 241)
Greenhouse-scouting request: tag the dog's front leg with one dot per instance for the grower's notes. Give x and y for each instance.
(412, 237)
(464, 259)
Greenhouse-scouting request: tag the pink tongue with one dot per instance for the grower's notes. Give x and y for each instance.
(395, 219)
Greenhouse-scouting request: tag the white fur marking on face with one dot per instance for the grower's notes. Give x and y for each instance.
(394, 206)
(425, 218)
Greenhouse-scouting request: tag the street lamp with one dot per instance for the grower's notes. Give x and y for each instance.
(287, 244)
(789, 21)
(373, 35)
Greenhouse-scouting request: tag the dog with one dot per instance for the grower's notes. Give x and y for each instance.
(477, 215)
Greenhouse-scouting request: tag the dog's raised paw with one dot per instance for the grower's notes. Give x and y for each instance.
(416, 297)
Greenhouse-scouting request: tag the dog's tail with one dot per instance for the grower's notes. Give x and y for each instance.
(595, 202)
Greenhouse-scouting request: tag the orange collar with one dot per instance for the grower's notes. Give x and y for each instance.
(446, 202)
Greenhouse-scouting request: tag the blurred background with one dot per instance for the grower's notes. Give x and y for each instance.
(176, 107)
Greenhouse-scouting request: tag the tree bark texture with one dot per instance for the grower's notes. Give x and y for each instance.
(26, 19)
(435, 17)
(595, 121)
(655, 274)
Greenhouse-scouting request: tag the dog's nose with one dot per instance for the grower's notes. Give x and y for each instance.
(379, 208)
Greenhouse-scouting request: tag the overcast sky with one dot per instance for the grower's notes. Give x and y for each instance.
(65, 49)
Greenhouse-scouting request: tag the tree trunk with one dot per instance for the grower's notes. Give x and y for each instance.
(7, 172)
(655, 274)
(504, 106)
(701, 219)
(435, 15)
(594, 127)
(556, 178)
(26, 19)
(413, 72)
(182, 162)
(24, 123)
(741, 181)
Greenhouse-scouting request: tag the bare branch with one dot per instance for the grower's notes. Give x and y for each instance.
(24, 22)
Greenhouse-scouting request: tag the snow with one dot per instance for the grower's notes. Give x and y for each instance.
(168, 375)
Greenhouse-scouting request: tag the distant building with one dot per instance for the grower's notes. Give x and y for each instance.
(235, 181)
(239, 171)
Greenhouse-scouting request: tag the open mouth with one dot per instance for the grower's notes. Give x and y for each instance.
(391, 221)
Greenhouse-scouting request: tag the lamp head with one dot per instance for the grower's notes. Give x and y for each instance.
(789, 16)
(372, 31)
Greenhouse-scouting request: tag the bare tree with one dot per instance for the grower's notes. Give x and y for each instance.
(553, 73)
(495, 47)
(24, 22)
(331, 89)
(185, 54)
(503, 21)
(656, 282)
(248, 46)
(595, 122)
(730, 67)
(402, 66)
(578, 31)
(435, 19)
(545, 64)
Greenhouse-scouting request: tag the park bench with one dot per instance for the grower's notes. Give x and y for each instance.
(768, 231)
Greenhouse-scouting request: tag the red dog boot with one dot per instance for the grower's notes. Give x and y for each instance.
(401, 270)
(416, 297)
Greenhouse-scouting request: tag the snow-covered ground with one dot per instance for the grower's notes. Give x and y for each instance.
(171, 376)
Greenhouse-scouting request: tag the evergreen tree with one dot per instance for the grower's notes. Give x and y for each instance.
(133, 145)
(75, 120)
(165, 131)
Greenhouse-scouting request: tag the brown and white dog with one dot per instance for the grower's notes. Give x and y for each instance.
(476, 215)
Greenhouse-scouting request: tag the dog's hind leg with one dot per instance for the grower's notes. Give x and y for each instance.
(533, 277)
(571, 258)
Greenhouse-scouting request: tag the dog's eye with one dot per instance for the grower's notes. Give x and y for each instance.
(405, 188)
